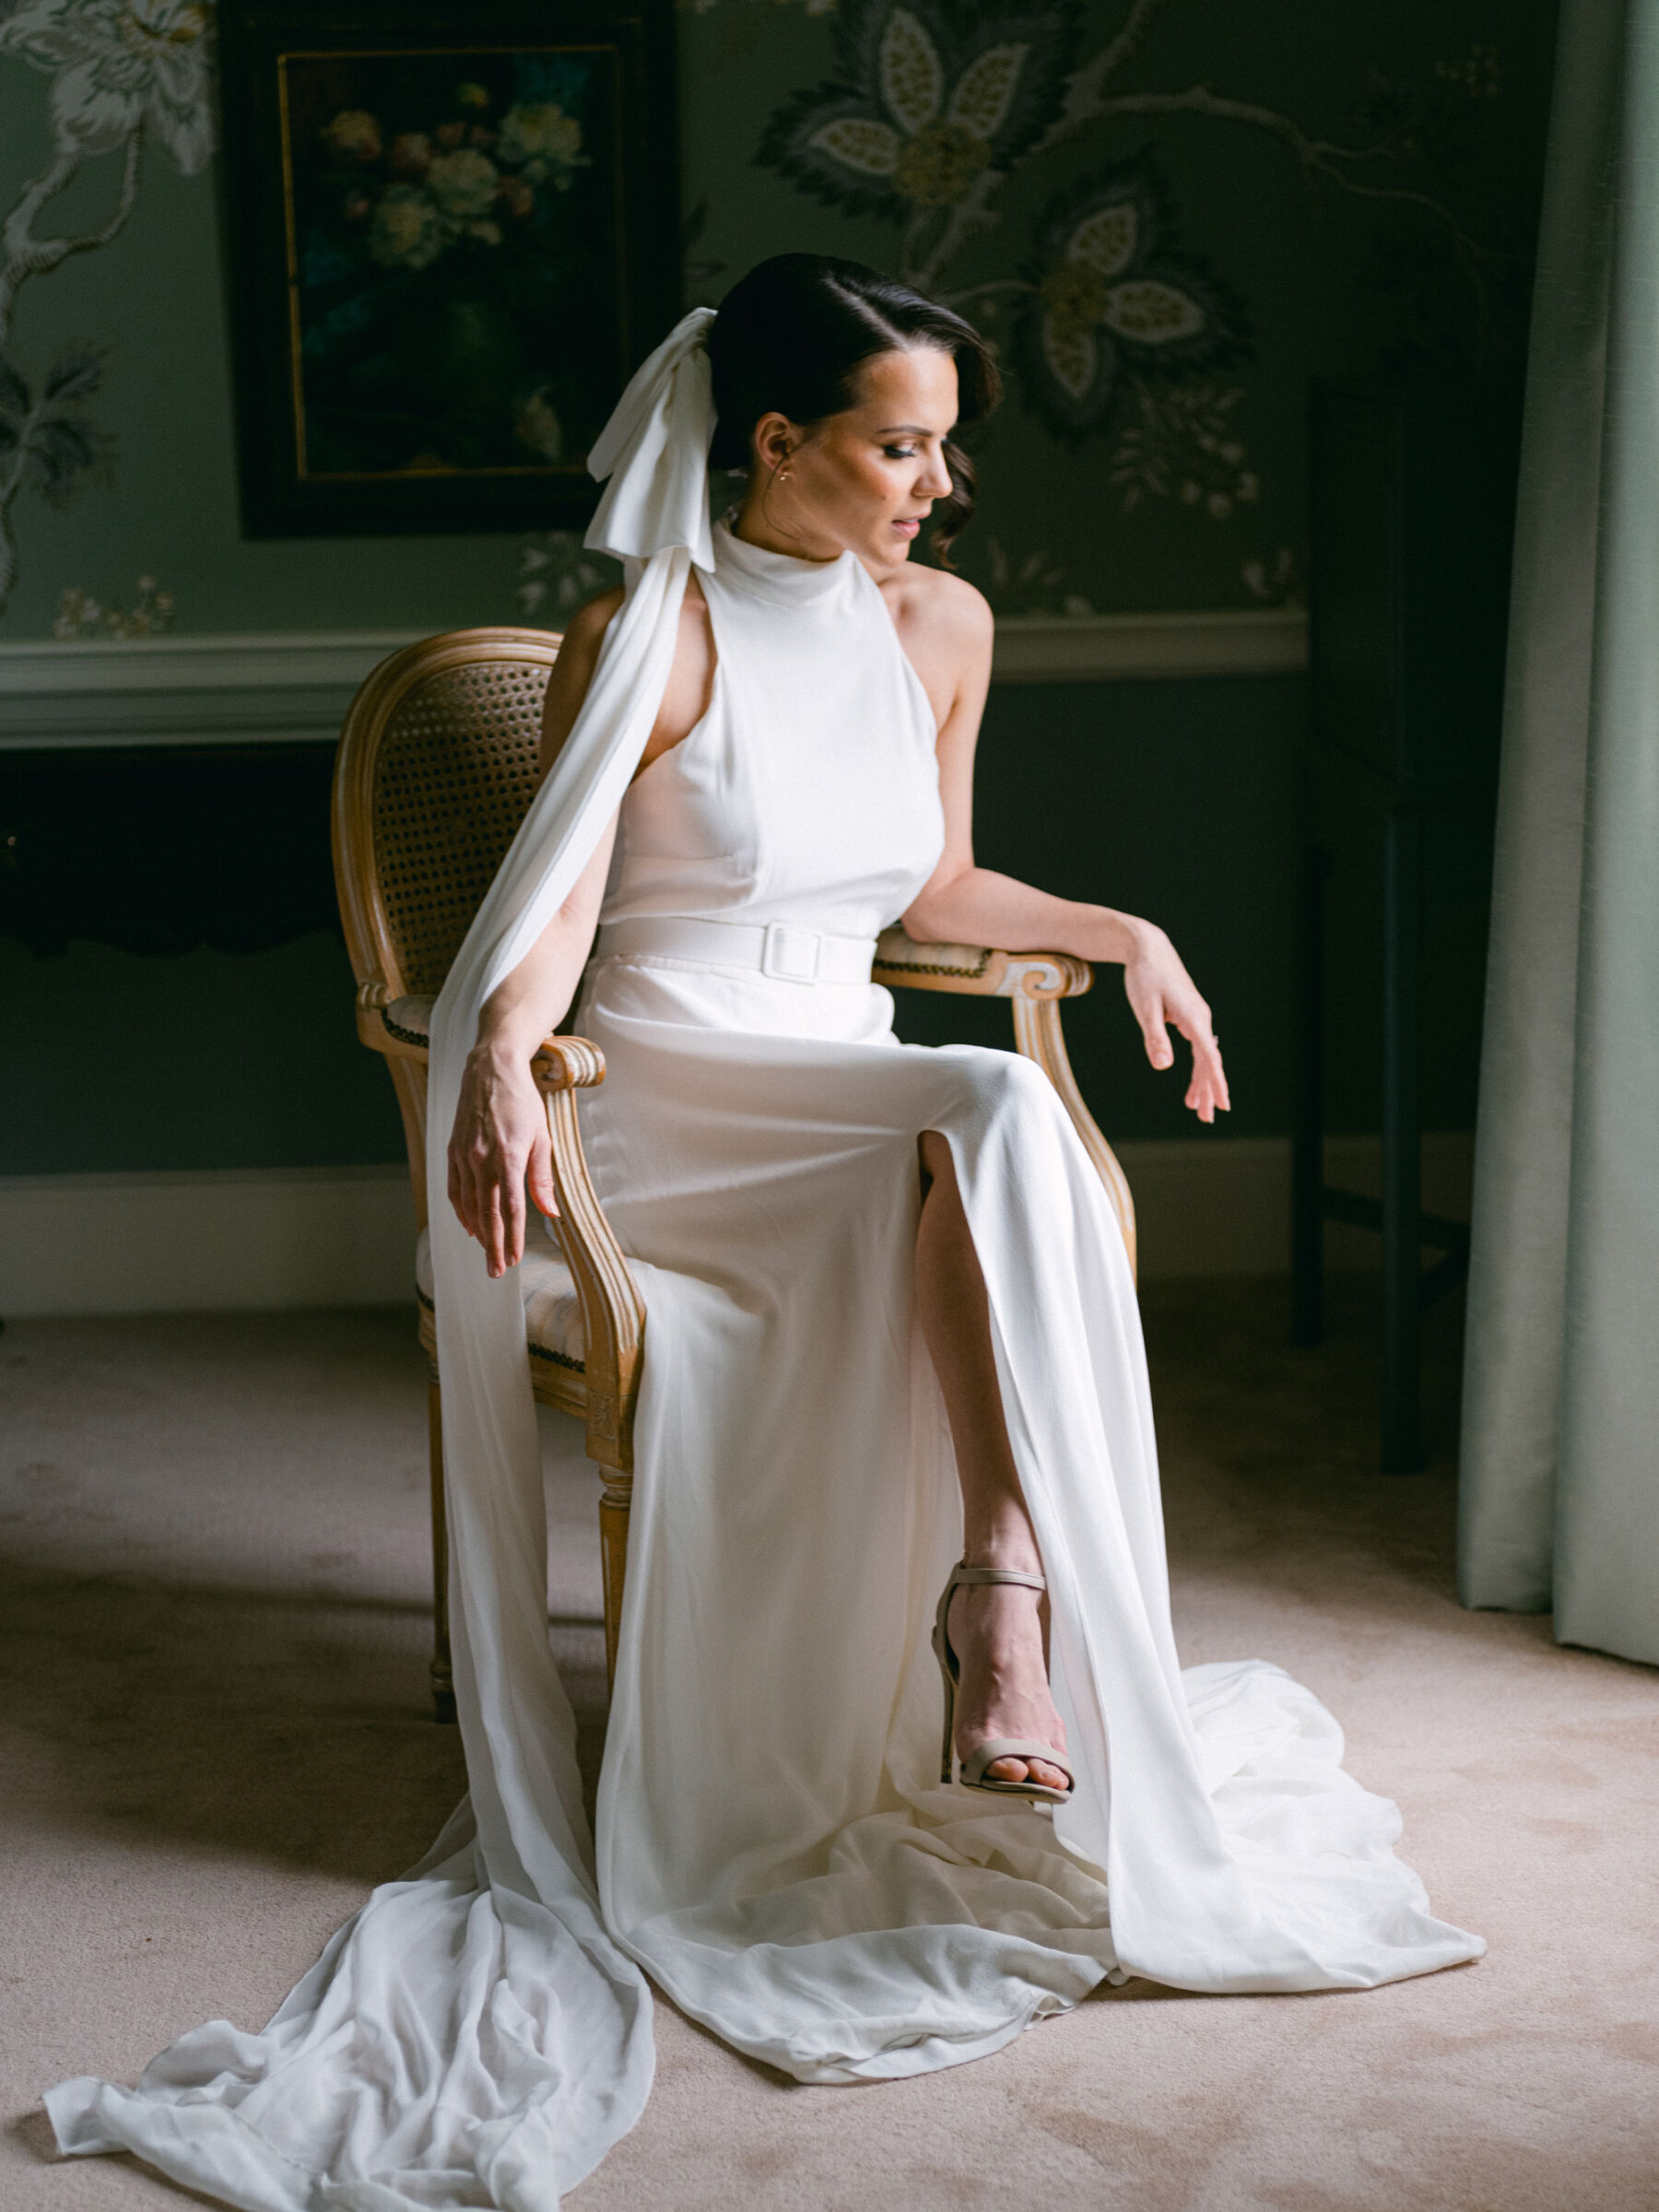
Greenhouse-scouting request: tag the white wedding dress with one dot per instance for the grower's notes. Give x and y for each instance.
(774, 1845)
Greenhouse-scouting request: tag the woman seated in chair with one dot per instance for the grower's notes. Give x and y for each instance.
(895, 1470)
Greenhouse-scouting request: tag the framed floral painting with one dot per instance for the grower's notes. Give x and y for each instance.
(451, 235)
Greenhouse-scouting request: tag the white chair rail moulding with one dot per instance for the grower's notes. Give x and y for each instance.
(1078, 649)
(294, 687)
(274, 688)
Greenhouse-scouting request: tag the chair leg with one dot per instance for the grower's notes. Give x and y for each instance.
(613, 1503)
(1307, 1144)
(443, 1685)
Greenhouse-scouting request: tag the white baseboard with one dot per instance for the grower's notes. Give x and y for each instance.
(220, 1241)
(247, 1239)
(1222, 1205)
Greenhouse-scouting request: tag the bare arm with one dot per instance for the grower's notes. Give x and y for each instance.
(499, 1142)
(963, 903)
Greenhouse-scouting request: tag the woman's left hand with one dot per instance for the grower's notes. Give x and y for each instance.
(1159, 990)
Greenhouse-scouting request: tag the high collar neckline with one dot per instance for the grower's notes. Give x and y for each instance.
(781, 576)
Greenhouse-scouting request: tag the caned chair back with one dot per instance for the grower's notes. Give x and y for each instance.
(436, 768)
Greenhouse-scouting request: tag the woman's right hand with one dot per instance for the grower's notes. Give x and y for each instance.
(500, 1143)
(500, 1137)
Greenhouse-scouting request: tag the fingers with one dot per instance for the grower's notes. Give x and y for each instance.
(458, 1194)
(500, 1135)
(494, 1236)
(513, 1212)
(1214, 1073)
(478, 1184)
(542, 1191)
(487, 1192)
(1159, 1050)
(1208, 1091)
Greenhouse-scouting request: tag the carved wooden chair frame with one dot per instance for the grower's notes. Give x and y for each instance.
(413, 823)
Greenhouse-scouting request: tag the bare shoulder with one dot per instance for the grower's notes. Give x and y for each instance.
(573, 671)
(936, 606)
(585, 632)
(587, 626)
(946, 628)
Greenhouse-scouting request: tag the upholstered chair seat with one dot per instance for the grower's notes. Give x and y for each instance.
(553, 1330)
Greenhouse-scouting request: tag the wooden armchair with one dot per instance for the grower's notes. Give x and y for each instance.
(436, 767)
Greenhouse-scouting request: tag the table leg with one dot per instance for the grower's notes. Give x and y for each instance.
(1402, 1147)
(1307, 1142)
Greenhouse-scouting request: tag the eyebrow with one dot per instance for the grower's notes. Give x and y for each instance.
(910, 430)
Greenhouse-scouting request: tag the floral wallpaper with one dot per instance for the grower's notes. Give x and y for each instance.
(1166, 214)
(118, 68)
(1010, 159)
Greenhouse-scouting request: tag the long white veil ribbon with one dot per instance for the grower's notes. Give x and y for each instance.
(473, 2035)
(516, 1721)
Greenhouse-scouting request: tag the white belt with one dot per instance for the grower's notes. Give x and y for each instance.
(775, 948)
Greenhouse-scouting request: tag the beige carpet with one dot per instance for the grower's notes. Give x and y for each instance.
(211, 1534)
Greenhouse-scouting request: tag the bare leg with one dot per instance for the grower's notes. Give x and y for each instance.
(995, 1629)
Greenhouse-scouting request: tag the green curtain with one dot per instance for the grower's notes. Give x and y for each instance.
(1560, 1461)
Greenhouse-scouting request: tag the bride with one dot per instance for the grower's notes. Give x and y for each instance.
(900, 1756)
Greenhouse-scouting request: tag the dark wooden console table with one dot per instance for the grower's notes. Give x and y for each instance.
(157, 849)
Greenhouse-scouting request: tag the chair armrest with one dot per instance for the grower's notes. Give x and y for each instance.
(613, 1313)
(399, 1028)
(978, 970)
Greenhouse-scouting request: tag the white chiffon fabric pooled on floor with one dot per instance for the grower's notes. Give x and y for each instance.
(774, 1845)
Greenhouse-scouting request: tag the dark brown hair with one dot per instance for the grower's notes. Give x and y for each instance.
(792, 335)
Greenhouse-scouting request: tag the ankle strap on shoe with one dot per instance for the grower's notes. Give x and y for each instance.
(997, 1575)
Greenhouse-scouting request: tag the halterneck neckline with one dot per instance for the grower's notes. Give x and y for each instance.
(780, 577)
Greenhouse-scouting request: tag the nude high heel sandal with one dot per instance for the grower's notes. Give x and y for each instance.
(973, 1775)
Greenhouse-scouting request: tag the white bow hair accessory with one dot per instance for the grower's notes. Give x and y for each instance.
(654, 450)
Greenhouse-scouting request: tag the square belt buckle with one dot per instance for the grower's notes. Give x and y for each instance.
(790, 955)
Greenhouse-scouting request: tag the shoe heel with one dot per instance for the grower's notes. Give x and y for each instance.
(947, 1676)
(948, 1749)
